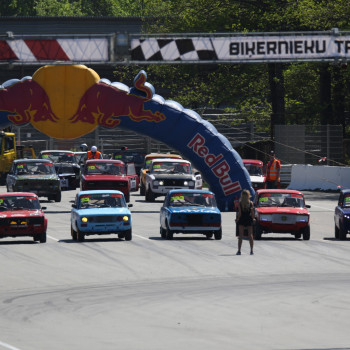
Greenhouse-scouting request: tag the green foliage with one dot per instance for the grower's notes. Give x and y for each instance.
(58, 8)
(240, 89)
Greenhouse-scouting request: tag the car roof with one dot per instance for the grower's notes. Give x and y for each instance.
(120, 162)
(189, 191)
(15, 194)
(56, 150)
(168, 160)
(99, 192)
(32, 160)
(345, 191)
(278, 191)
(252, 161)
(163, 155)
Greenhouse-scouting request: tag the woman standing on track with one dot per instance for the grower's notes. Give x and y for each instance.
(245, 220)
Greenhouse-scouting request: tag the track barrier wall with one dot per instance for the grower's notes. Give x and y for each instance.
(309, 177)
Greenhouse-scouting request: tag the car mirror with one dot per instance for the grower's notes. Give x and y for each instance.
(130, 205)
(74, 206)
(307, 206)
(43, 208)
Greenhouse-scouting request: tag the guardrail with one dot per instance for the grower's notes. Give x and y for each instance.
(310, 177)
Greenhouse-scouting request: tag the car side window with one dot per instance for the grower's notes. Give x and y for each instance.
(340, 201)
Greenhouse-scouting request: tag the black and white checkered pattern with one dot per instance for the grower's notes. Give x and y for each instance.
(173, 49)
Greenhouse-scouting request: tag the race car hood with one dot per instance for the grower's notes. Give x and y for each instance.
(172, 176)
(282, 210)
(346, 211)
(73, 164)
(105, 177)
(257, 179)
(194, 209)
(103, 211)
(36, 177)
(20, 213)
(66, 174)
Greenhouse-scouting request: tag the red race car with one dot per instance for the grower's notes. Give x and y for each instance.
(281, 211)
(21, 215)
(256, 173)
(104, 174)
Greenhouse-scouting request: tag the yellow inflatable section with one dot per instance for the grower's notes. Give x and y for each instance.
(65, 85)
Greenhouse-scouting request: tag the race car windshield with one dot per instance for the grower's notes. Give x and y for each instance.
(170, 168)
(59, 157)
(192, 199)
(101, 201)
(19, 203)
(281, 200)
(34, 168)
(253, 170)
(65, 170)
(104, 169)
(347, 201)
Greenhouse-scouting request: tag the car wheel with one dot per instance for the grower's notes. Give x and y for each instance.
(128, 235)
(36, 238)
(150, 196)
(43, 238)
(162, 232)
(306, 233)
(209, 235)
(342, 234)
(142, 189)
(336, 231)
(73, 234)
(80, 236)
(258, 231)
(218, 234)
(58, 197)
(297, 235)
(127, 197)
(169, 233)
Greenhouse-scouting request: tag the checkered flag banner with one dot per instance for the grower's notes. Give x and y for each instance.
(172, 49)
(245, 48)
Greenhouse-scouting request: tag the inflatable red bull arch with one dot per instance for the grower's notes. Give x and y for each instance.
(70, 101)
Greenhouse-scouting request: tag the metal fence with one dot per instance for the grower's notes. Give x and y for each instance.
(294, 144)
(309, 144)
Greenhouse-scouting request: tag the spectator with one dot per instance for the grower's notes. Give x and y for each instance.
(94, 153)
(273, 170)
(245, 220)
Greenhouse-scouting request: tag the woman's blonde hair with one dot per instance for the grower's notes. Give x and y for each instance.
(245, 199)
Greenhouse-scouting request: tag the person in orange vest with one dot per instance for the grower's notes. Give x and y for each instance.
(94, 153)
(273, 170)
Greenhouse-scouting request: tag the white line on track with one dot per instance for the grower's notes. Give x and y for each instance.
(55, 239)
(317, 206)
(8, 346)
(141, 237)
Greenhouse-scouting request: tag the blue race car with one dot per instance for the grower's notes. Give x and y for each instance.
(342, 215)
(190, 211)
(100, 212)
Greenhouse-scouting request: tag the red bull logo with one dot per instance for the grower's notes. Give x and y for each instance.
(69, 101)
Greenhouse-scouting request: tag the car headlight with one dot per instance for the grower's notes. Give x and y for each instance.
(346, 216)
(302, 218)
(125, 218)
(84, 219)
(161, 183)
(265, 217)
